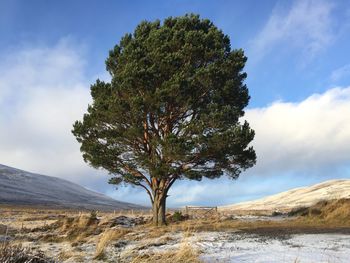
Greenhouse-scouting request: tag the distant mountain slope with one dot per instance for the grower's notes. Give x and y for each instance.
(299, 197)
(18, 187)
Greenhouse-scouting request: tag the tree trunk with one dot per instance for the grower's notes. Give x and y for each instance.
(155, 209)
(162, 212)
(159, 209)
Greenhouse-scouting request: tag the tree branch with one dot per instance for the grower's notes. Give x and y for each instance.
(171, 181)
(137, 174)
(147, 190)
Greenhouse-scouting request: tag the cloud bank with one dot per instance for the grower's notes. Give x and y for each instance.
(310, 135)
(44, 90)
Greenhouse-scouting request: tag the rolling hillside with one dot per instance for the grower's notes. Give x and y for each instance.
(19, 187)
(299, 197)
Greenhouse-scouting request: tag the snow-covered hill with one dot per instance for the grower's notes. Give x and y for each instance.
(19, 187)
(299, 197)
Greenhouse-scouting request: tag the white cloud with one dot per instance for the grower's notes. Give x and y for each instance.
(42, 92)
(307, 26)
(340, 73)
(56, 67)
(311, 135)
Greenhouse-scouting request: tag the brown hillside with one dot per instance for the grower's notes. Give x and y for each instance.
(333, 211)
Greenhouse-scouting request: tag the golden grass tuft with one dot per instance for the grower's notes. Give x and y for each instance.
(106, 238)
(185, 254)
(78, 228)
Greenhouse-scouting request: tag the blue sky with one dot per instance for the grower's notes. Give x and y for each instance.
(298, 76)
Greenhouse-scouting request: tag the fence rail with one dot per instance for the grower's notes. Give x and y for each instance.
(201, 211)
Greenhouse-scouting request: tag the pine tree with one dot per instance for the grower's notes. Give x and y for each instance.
(171, 110)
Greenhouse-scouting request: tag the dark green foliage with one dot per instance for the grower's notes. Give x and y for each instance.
(299, 211)
(277, 213)
(177, 216)
(172, 108)
(93, 215)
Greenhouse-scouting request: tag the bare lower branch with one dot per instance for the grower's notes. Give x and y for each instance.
(147, 190)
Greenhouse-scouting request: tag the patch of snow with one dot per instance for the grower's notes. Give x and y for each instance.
(235, 247)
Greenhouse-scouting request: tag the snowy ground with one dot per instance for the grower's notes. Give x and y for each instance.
(236, 247)
(261, 245)
(224, 247)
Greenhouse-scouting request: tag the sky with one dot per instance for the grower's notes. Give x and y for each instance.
(298, 78)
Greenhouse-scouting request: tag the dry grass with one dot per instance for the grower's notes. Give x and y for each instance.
(18, 254)
(330, 213)
(337, 211)
(29, 215)
(106, 238)
(154, 232)
(298, 225)
(185, 254)
(73, 229)
(17, 217)
(71, 255)
(65, 254)
(78, 228)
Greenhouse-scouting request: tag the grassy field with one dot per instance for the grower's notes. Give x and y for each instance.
(128, 236)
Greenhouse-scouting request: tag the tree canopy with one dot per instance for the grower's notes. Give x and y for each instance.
(171, 110)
